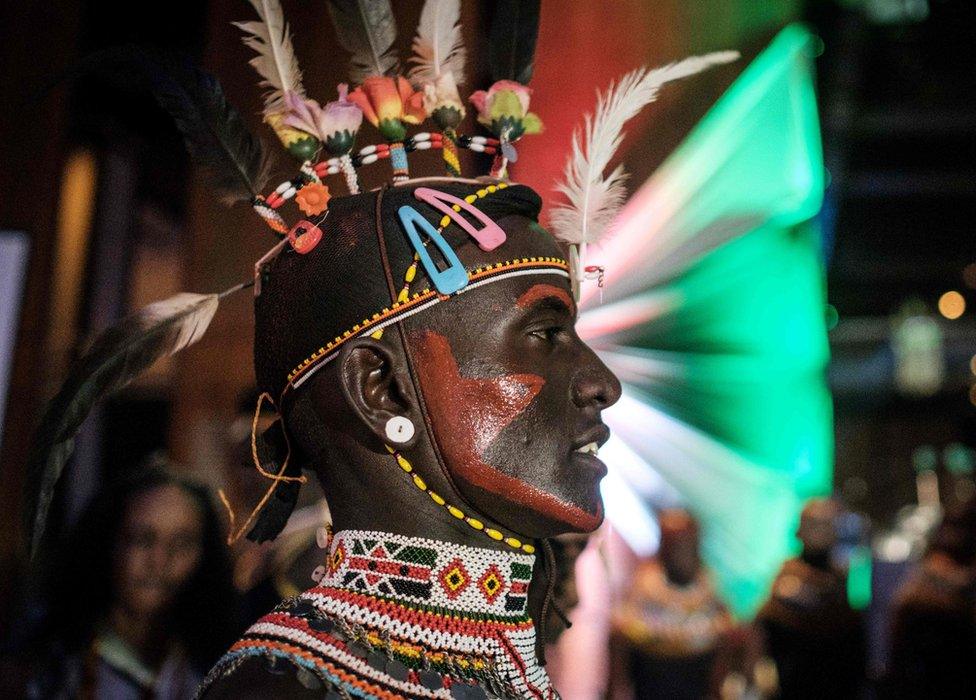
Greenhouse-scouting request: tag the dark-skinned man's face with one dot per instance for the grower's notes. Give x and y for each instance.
(514, 396)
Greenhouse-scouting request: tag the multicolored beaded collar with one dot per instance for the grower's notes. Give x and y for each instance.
(397, 616)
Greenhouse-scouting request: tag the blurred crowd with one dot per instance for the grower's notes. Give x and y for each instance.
(142, 596)
(674, 639)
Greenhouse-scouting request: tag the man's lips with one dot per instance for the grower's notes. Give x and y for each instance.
(592, 440)
(587, 446)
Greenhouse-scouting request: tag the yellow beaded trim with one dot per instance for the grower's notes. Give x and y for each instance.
(476, 524)
(416, 299)
(445, 221)
(413, 651)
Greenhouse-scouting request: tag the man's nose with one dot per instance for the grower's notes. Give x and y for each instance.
(595, 385)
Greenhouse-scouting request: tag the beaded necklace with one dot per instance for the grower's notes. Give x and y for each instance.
(396, 616)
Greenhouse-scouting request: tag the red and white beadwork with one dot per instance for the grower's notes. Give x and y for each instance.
(427, 603)
(470, 580)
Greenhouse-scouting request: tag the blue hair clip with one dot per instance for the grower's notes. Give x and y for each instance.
(454, 277)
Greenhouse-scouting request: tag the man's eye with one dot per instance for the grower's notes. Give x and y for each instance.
(550, 334)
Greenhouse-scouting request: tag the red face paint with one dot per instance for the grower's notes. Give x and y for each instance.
(542, 291)
(469, 413)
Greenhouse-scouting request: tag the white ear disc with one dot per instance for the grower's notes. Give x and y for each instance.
(399, 429)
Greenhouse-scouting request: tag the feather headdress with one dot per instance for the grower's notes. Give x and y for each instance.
(275, 62)
(511, 45)
(116, 357)
(438, 47)
(366, 29)
(595, 199)
(214, 132)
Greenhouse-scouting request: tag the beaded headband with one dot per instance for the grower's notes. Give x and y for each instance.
(421, 301)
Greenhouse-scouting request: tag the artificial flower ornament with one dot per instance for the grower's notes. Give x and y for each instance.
(442, 101)
(336, 124)
(313, 198)
(389, 103)
(299, 143)
(504, 109)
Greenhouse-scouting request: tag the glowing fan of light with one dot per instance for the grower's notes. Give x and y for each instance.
(713, 317)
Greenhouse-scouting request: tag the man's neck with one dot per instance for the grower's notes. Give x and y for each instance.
(430, 574)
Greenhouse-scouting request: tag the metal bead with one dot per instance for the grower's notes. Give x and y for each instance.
(377, 660)
(357, 649)
(276, 665)
(430, 679)
(463, 691)
(308, 679)
(508, 150)
(397, 670)
(321, 624)
(303, 608)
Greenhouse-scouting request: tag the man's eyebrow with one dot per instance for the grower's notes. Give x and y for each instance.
(539, 292)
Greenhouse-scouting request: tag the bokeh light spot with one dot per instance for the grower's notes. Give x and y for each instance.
(952, 305)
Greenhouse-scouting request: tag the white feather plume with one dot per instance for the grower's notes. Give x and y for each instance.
(276, 62)
(594, 200)
(438, 47)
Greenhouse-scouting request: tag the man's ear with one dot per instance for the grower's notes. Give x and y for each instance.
(376, 387)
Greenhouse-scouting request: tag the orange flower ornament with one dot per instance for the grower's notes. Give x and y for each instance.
(389, 103)
(313, 198)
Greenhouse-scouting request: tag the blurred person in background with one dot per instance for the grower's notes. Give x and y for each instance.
(933, 624)
(139, 602)
(816, 639)
(669, 628)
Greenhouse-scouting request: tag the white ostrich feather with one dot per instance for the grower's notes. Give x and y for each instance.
(276, 62)
(594, 200)
(438, 47)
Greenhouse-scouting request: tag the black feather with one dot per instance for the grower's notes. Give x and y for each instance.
(367, 30)
(511, 44)
(116, 357)
(273, 449)
(214, 132)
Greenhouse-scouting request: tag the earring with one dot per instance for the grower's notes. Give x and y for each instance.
(399, 429)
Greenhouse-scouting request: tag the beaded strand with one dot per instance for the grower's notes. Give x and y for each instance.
(445, 221)
(456, 512)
